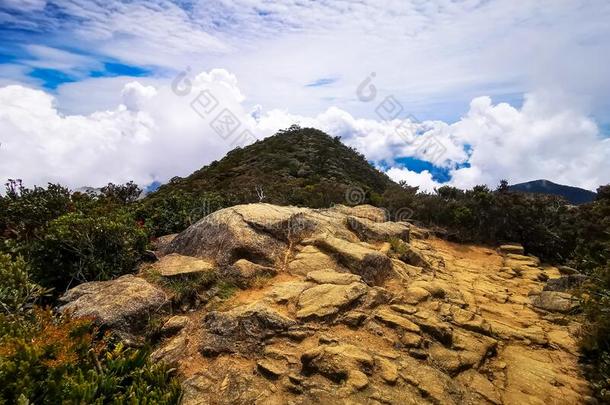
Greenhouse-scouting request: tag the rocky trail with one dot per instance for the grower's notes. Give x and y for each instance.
(338, 306)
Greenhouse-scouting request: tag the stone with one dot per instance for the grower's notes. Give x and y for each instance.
(327, 299)
(173, 265)
(363, 211)
(410, 340)
(415, 295)
(372, 266)
(330, 276)
(511, 248)
(287, 291)
(241, 330)
(271, 368)
(338, 363)
(394, 320)
(435, 289)
(244, 273)
(124, 304)
(160, 244)
(555, 301)
(565, 282)
(172, 351)
(481, 386)
(174, 325)
(388, 371)
(239, 232)
(310, 258)
(403, 309)
(354, 318)
(431, 325)
(368, 230)
(566, 270)
(376, 296)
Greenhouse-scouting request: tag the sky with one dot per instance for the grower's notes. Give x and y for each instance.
(458, 92)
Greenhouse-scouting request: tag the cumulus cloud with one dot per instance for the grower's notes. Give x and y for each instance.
(163, 129)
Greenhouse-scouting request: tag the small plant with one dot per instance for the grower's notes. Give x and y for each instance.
(226, 290)
(62, 360)
(18, 293)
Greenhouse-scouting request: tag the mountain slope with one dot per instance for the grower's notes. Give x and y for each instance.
(574, 195)
(298, 166)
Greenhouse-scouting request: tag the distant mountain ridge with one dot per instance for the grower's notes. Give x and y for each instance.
(574, 195)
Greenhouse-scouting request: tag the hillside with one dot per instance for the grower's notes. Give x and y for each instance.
(324, 310)
(574, 195)
(298, 166)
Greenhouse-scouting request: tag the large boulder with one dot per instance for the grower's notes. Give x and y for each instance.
(124, 304)
(565, 283)
(230, 234)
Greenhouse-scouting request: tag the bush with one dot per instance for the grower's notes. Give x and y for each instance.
(175, 211)
(23, 211)
(64, 361)
(76, 248)
(596, 331)
(18, 293)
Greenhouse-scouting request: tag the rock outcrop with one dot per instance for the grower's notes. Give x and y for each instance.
(339, 315)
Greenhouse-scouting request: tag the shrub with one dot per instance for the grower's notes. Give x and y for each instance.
(65, 361)
(23, 211)
(18, 293)
(175, 211)
(76, 248)
(595, 340)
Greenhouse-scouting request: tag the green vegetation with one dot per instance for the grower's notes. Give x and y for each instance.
(297, 166)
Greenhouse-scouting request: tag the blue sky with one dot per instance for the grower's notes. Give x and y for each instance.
(304, 58)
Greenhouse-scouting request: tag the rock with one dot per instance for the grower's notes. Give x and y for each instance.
(330, 276)
(339, 363)
(287, 291)
(481, 386)
(403, 309)
(310, 258)
(394, 320)
(162, 242)
(327, 299)
(435, 386)
(415, 295)
(555, 301)
(124, 304)
(172, 351)
(271, 368)
(244, 273)
(241, 330)
(512, 248)
(410, 340)
(353, 318)
(174, 325)
(565, 283)
(363, 211)
(387, 370)
(517, 261)
(375, 297)
(174, 264)
(368, 230)
(239, 232)
(372, 266)
(435, 289)
(566, 270)
(431, 325)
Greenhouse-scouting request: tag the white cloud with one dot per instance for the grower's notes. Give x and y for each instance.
(423, 179)
(155, 134)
